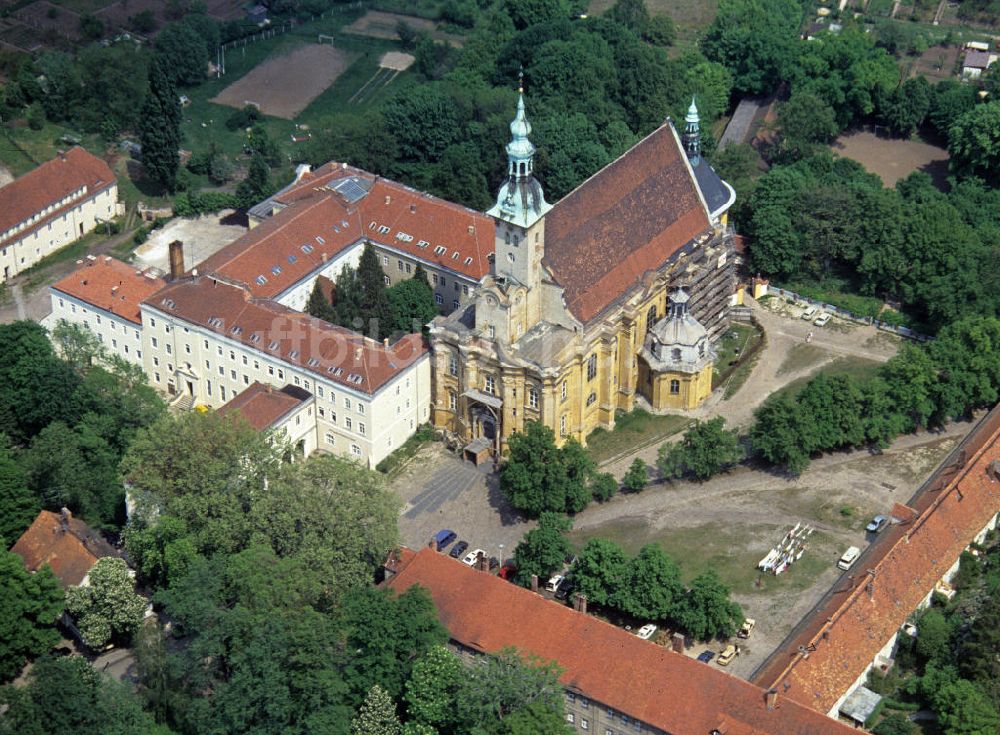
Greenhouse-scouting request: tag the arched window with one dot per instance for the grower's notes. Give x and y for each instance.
(520, 168)
(675, 387)
(675, 354)
(651, 317)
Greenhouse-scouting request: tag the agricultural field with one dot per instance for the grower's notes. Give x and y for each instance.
(892, 159)
(691, 16)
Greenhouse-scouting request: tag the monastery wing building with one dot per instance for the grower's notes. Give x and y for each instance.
(607, 300)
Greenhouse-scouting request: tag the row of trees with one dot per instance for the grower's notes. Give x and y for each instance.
(646, 587)
(922, 386)
(361, 301)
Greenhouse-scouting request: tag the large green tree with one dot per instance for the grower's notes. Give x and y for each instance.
(430, 691)
(542, 550)
(653, 589)
(159, 126)
(377, 715)
(538, 476)
(601, 572)
(374, 306)
(183, 53)
(30, 605)
(108, 606)
(707, 610)
(412, 303)
(706, 449)
(974, 142)
(18, 505)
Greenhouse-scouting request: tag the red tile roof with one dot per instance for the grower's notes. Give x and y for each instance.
(844, 635)
(333, 352)
(629, 218)
(262, 406)
(111, 285)
(667, 690)
(314, 214)
(48, 184)
(71, 549)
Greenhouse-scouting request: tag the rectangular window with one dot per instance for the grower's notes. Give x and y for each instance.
(562, 425)
(232, 374)
(355, 450)
(156, 362)
(438, 299)
(399, 264)
(452, 400)
(208, 385)
(584, 724)
(490, 384)
(361, 408)
(562, 391)
(361, 428)
(170, 349)
(592, 367)
(532, 398)
(570, 718)
(153, 342)
(222, 390)
(187, 349)
(330, 439)
(206, 344)
(347, 403)
(244, 359)
(348, 423)
(322, 412)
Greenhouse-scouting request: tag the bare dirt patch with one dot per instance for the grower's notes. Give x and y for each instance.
(377, 24)
(202, 236)
(283, 86)
(5, 176)
(893, 159)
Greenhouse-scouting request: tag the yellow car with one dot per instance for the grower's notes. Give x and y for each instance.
(726, 657)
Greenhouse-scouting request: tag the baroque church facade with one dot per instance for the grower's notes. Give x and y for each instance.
(606, 300)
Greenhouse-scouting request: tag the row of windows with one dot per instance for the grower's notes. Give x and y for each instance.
(612, 714)
(331, 440)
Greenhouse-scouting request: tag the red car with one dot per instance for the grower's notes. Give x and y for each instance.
(507, 571)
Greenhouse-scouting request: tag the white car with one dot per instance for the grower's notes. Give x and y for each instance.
(554, 582)
(822, 319)
(646, 632)
(471, 557)
(809, 313)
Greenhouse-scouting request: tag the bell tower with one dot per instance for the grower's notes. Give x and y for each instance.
(692, 134)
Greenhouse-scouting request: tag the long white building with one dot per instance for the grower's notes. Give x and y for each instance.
(53, 205)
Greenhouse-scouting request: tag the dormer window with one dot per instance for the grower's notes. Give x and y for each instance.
(675, 354)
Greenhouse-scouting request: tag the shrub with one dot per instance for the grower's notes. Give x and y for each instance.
(637, 476)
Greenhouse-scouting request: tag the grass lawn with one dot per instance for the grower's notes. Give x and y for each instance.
(801, 357)
(724, 548)
(631, 431)
(391, 465)
(22, 149)
(856, 367)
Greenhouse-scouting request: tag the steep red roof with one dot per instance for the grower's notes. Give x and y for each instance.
(262, 406)
(68, 545)
(667, 690)
(49, 184)
(843, 636)
(111, 285)
(629, 218)
(333, 352)
(316, 216)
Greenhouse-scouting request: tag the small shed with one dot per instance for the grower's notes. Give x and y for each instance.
(257, 14)
(860, 705)
(976, 63)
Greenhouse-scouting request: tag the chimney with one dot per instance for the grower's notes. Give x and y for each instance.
(322, 257)
(534, 583)
(993, 470)
(413, 209)
(771, 699)
(433, 544)
(677, 642)
(269, 388)
(64, 518)
(194, 271)
(385, 342)
(388, 199)
(176, 260)
(481, 563)
(580, 603)
(472, 229)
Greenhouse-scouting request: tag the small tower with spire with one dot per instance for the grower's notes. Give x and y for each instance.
(520, 200)
(692, 134)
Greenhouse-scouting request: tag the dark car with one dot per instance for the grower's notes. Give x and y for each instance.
(706, 656)
(494, 563)
(444, 537)
(458, 549)
(564, 589)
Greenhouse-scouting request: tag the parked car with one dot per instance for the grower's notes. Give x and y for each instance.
(850, 556)
(494, 563)
(646, 632)
(444, 537)
(458, 549)
(472, 556)
(554, 581)
(507, 571)
(564, 589)
(728, 654)
(809, 313)
(747, 628)
(821, 320)
(877, 524)
(706, 656)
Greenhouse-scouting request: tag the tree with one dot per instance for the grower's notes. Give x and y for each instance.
(756, 40)
(30, 605)
(377, 715)
(637, 476)
(257, 185)
(601, 572)
(412, 303)
(77, 344)
(527, 13)
(108, 606)
(603, 487)
(508, 685)
(60, 86)
(91, 27)
(374, 298)
(319, 305)
(630, 13)
(777, 434)
(934, 641)
(653, 589)
(660, 31)
(431, 688)
(905, 107)
(804, 121)
(707, 610)
(542, 549)
(183, 53)
(974, 142)
(159, 127)
(347, 299)
(18, 505)
(67, 695)
(706, 449)
(964, 710)
(538, 476)
(894, 724)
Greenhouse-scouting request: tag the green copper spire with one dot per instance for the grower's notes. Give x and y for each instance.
(692, 134)
(520, 200)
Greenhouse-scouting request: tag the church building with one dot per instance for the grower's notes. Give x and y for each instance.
(606, 300)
